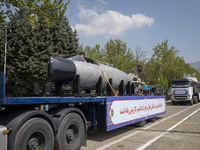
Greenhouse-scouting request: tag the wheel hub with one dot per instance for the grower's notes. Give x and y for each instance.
(70, 134)
(33, 144)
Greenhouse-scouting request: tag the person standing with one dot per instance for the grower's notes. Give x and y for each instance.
(82, 54)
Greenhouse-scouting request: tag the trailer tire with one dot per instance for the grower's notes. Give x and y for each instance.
(70, 135)
(36, 133)
(153, 119)
(141, 123)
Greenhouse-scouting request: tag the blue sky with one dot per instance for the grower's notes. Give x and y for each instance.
(142, 23)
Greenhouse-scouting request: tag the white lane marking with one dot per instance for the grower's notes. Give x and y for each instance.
(168, 117)
(168, 130)
(125, 137)
(116, 141)
(183, 120)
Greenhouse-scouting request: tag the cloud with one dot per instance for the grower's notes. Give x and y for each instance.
(109, 23)
(102, 2)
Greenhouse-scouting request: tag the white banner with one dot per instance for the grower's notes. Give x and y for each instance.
(122, 111)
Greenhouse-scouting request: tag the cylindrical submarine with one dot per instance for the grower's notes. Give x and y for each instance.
(65, 70)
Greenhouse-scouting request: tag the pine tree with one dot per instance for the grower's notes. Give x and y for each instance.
(29, 49)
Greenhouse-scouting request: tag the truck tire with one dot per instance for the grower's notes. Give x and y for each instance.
(191, 102)
(35, 134)
(70, 135)
(173, 103)
(195, 99)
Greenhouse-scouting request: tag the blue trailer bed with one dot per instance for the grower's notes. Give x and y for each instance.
(110, 111)
(49, 100)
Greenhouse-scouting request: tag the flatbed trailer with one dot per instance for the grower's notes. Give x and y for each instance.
(61, 123)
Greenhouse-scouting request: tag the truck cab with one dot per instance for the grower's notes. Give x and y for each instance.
(185, 90)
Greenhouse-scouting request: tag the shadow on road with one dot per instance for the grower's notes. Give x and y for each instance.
(101, 134)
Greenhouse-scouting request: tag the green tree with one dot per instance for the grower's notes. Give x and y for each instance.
(117, 53)
(95, 53)
(29, 50)
(165, 65)
(162, 66)
(49, 10)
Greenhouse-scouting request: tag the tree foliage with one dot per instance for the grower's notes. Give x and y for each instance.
(96, 53)
(114, 53)
(29, 49)
(165, 65)
(49, 10)
(118, 54)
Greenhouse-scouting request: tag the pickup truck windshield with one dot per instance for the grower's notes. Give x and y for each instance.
(180, 84)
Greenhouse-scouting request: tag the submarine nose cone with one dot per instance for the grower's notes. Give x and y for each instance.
(61, 70)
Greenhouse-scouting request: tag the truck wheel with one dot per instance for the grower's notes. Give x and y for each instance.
(173, 103)
(141, 123)
(195, 99)
(71, 133)
(191, 102)
(35, 134)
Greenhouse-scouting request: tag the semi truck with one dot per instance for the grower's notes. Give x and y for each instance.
(61, 121)
(185, 90)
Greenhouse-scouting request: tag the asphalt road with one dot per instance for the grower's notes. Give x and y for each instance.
(178, 129)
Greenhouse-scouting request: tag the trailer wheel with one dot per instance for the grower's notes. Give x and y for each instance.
(35, 134)
(70, 135)
(153, 119)
(141, 123)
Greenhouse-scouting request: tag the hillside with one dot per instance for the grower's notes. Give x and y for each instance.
(196, 65)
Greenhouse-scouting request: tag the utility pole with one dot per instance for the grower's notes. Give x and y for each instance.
(5, 51)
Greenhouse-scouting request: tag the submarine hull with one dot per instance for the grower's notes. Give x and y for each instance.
(65, 70)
